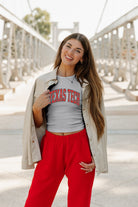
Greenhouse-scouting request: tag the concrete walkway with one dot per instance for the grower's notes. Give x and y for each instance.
(118, 188)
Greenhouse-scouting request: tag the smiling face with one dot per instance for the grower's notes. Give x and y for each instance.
(72, 52)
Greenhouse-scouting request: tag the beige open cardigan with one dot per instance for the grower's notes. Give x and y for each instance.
(32, 136)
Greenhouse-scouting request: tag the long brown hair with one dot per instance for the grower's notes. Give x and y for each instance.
(87, 70)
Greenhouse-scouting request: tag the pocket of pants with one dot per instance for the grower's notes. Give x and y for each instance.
(86, 150)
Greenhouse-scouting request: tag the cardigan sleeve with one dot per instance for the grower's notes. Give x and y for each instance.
(31, 135)
(26, 154)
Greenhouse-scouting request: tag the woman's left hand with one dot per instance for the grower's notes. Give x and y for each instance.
(87, 167)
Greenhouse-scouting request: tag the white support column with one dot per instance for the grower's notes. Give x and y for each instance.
(132, 57)
(111, 60)
(16, 55)
(27, 69)
(5, 60)
(54, 34)
(100, 69)
(116, 54)
(30, 53)
(76, 27)
(96, 54)
(33, 64)
(108, 54)
(36, 54)
(105, 51)
(123, 56)
(39, 54)
(20, 49)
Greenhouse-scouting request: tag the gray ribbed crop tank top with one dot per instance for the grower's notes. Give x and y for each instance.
(64, 113)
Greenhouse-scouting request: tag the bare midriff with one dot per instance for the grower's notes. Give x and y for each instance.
(65, 133)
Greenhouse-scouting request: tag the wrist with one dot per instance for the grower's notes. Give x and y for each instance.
(36, 109)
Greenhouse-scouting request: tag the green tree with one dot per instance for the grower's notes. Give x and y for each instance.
(39, 20)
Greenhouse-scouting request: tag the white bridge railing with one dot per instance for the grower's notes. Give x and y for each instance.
(116, 51)
(22, 50)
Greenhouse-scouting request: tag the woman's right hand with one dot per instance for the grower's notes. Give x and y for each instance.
(42, 101)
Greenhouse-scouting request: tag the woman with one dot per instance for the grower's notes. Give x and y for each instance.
(65, 113)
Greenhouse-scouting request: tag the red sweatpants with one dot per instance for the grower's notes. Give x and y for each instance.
(61, 156)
